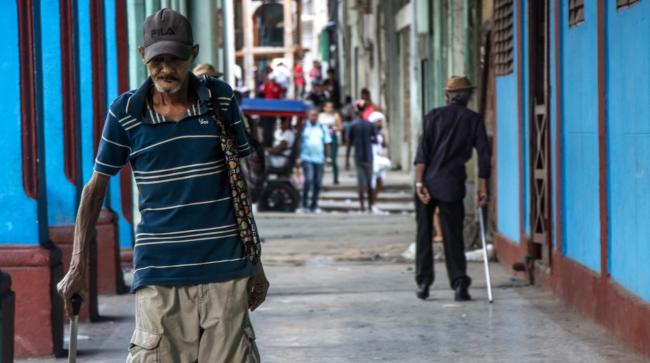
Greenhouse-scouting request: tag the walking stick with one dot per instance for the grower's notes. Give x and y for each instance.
(74, 324)
(486, 263)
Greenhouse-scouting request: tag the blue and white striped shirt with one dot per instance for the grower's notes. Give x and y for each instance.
(188, 233)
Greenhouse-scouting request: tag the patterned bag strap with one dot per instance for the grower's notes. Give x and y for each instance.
(239, 191)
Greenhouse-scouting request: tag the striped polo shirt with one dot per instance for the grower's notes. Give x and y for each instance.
(188, 233)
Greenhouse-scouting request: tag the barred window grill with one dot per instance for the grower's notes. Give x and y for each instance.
(625, 3)
(576, 12)
(503, 33)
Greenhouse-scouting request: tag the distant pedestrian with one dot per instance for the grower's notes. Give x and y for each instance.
(333, 88)
(280, 153)
(316, 73)
(450, 133)
(299, 80)
(197, 268)
(332, 121)
(347, 116)
(365, 104)
(317, 95)
(314, 151)
(282, 76)
(206, 69)
(380, 163)
(361, 137)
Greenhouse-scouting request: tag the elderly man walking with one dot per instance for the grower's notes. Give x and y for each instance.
(196, 255)
(450, 133)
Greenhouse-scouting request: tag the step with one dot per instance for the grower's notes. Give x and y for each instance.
(352, 187)
(388, 196)
(353, 206)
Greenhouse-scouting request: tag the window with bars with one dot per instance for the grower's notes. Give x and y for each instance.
(625, 3)
(576, 12)
(503, 33)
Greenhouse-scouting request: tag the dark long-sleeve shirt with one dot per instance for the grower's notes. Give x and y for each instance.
(449, 135)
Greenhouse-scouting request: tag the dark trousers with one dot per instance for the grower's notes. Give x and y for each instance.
(452, 215)
(313, 174)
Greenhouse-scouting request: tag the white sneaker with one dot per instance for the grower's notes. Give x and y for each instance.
(376, 210)
(317, 211)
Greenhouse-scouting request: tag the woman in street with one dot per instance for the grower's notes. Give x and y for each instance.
(332, 120)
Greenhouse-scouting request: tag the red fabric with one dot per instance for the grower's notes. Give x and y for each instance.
(272, 90)
(367, 111)
(298, 77)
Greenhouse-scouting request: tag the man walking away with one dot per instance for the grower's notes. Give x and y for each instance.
(194, 275)
(314, 149)
(449, 134)
(362, 135)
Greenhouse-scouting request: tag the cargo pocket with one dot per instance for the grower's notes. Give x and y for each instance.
(144, 347)
(252, 355)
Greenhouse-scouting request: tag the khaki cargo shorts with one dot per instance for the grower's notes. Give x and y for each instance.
(207, 323)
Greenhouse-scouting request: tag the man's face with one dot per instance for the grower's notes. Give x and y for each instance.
(169, 72)
(313, 117)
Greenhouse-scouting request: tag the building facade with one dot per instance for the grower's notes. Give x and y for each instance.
(63, 62)
(572, 117)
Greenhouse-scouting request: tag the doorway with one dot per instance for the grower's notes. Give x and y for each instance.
(539, 247)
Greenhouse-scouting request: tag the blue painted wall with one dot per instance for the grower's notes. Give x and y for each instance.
(85, 88)
(62, 195)
(508, 151)
(581, 224)
(19, 213)
(125, 229)
(628, 123)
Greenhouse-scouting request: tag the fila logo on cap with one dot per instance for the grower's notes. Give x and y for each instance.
(162, 32)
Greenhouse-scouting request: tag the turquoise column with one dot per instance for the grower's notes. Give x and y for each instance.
(22, 219)
(114, 202)
(62, 194)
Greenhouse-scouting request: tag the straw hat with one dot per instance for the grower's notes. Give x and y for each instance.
(457, 83)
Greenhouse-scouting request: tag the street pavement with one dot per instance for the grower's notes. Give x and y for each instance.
(341, 292)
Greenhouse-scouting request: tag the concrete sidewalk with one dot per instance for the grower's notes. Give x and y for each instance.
(327, 311)
(340, 292)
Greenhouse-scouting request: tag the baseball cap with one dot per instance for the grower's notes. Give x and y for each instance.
(167, 32)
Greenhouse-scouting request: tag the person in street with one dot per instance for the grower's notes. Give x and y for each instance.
(315, 73)
(380, 163)
(206, 69)
(332, 121)
(271, 90)
(195, 277)
(317, 95)
(449, 135)
(347, 116)
(314, 151)
(282, 76)
(365, 104)
(284, 139)
(361, 137)
(299, 80)
(333, 88)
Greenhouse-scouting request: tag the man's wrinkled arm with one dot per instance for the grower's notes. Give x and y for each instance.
(89, 207)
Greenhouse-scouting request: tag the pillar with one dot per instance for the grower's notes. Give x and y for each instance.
(288, 39)
(249, 59)
(33, 263)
